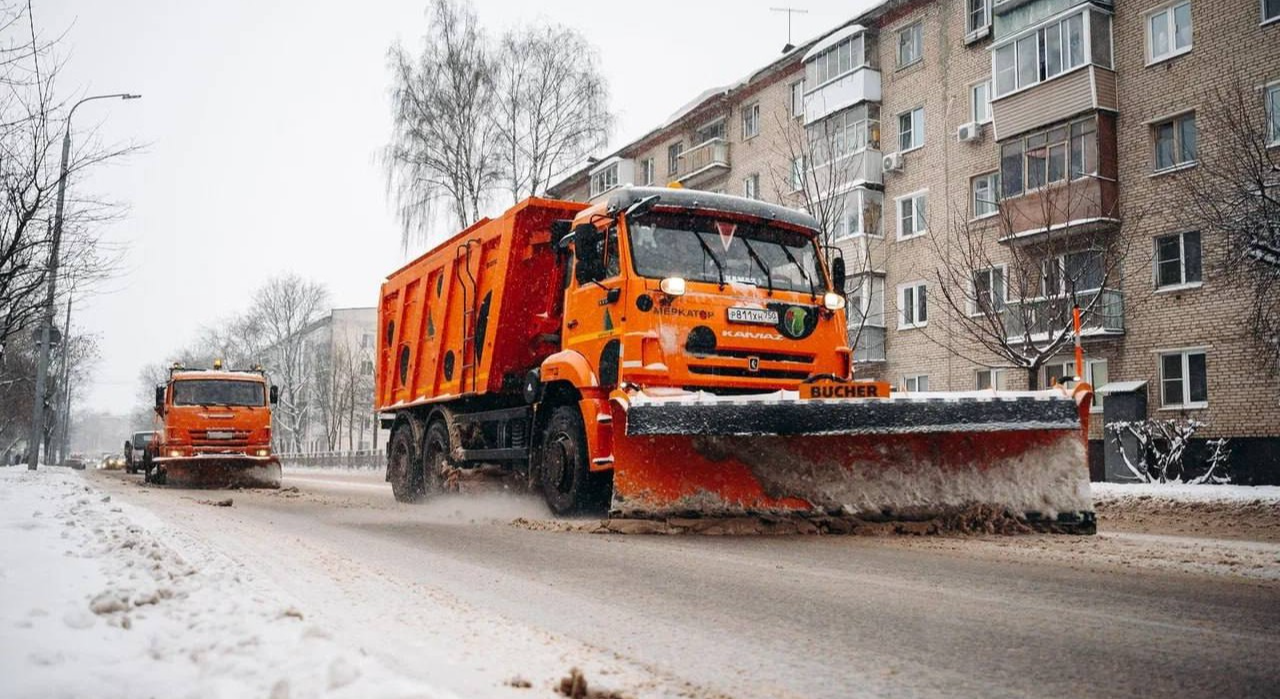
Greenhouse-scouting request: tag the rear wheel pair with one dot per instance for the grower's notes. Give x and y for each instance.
(417, 466)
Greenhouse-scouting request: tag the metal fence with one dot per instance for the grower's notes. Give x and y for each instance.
(368, 459)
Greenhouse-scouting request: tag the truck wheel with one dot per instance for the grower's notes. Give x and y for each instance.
(404, 465)
(437, 460)
(568, 484)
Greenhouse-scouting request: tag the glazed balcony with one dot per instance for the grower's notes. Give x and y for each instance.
(1038, 318)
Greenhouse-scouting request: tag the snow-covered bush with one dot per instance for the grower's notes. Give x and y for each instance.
(1158, 449)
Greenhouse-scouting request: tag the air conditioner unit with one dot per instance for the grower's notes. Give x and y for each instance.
(891, 162)
(971, 131)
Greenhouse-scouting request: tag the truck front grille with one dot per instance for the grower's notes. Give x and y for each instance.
(745, 373)
(233, 439)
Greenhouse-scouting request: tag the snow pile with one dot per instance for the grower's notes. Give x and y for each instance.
(104, 600)
(1188, 492)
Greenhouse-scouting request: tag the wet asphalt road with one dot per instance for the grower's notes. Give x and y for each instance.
(779, 617)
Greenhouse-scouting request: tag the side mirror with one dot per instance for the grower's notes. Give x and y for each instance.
(275, 394)
(587, 251)
(159, 399)
(838, 275)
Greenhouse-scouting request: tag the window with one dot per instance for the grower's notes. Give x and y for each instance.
(366, 341)
(797, 173)
(1074, 272)
(986, 195)
(1169, 32)
(990, 378)
(646, 171)
(751, 120)
(866, 301)
(977, 16)
(912, 215)
(751, 186)
(915, 382)
(673, 157)
(1048, 52)
(797, 99)
(1178, 259)
(862, 212)
(1273, 108)
(913, 305)
(980, 102)
(366, 367)
(1183, 379)
(910, 44)
(847, 131)
(1055, 155)
(1270, 10)
(604, 180)
(844, 57)
(1175, 142)
(911, 129)
(988, 293)
(1095, 373)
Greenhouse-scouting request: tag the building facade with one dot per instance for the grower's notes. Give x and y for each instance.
(339, 377)
(986, 166)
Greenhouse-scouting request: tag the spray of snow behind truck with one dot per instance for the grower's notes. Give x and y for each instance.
(676, 353)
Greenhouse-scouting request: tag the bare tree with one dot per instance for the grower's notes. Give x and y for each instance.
(1233, 196)
(331, 384)
(283, 309)
(551, 105)
(818, 168)
(443, 143)
(1010, 283)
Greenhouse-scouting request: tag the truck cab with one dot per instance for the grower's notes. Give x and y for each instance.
(211, 421)
(701, 291)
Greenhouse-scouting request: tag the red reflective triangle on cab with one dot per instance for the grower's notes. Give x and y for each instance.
(726, 231)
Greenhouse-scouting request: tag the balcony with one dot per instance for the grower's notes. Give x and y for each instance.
(1087, 88)
(1082, 207)
(861, 85)
(1039, 318)
(858, 168)
(867, 343)
(704, 161)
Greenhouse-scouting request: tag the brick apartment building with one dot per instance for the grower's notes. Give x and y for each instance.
(1006, 159)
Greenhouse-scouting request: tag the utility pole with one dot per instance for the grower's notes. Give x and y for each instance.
(36, 438)
(790, 11)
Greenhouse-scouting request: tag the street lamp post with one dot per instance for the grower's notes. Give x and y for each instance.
(46, 321)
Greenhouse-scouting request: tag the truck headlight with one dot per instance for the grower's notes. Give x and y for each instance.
(262, 452)
(833, 301)
(672, 286)
(175, 453)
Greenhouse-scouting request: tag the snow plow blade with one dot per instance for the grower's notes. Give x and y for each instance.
(218, 471)
(1013, 455)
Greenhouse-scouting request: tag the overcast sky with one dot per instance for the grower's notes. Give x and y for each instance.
(263, 120)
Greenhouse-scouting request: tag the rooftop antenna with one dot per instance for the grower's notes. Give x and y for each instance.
(790, 11)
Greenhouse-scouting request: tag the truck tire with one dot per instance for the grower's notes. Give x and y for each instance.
(437, 459)
(404, 464)
(568, 484)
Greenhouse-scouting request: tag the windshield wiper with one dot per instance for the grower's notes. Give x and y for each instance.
(707, 249)
(768, 278)
(792, 258)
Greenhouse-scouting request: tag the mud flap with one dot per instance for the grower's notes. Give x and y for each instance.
(878, 460)
(220, 472)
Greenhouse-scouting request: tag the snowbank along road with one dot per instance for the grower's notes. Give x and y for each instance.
(329, 587)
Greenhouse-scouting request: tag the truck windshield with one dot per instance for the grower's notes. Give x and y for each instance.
(218, 392)
(142, 438)
(667, 245)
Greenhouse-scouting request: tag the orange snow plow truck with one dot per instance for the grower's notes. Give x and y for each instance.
(213, 430)
(673, 353)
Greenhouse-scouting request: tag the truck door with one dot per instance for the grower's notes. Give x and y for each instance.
(592, 320)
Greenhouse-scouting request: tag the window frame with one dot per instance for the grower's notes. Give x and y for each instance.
(1169, 9)
(648, 171)
(910, 114)
(866, 311)
(971, 11)
(996, 378)
(907, 379)
(1085, 129)
(917, 231)
(1182, 284)
(797, 99)
(751, 186)
(1271, 94)
(1185, 353)
(674, 151)
(600, 177)
(751, 121)
(1036, 31)
(973, 102)
(915, 305)
(798, 172)
(974, 310)
(1175, 122)
(1265, 19)
(994, 186)
(916, 29)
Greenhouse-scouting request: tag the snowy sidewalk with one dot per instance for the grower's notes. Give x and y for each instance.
(1186, 492)
(102, 599)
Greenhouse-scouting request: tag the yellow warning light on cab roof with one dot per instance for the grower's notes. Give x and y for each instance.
(217, 364)
(674, 185)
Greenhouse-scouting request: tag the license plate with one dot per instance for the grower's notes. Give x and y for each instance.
(222, 435)
(754, 316)
(838, 390)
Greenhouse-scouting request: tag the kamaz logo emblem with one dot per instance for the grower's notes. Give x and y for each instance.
(753, 364)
